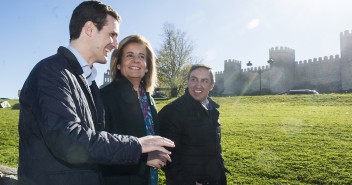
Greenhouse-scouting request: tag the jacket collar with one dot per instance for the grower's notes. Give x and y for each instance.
(71, 59)
(191, 99)
(126, 83)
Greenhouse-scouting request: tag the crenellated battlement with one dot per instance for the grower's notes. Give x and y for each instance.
(282, 49)
(326, 74)
(232, 65)
(256, 69)
(219, 72)
(325, 59)
(232, 62)
(346, 33)
(282, 55)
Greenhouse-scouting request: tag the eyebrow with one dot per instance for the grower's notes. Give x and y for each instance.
(199, 78)
(130, 52)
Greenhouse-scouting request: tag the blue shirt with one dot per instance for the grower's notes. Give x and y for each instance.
(89, 72)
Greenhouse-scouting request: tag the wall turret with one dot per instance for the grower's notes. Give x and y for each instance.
(107, 79)
(282, 69)
(282, 55)
(346, 60)
(232, 72)
(232, 65)
(346, 44)
(219, 83)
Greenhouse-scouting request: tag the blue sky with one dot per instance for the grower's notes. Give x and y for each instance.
(220, 29)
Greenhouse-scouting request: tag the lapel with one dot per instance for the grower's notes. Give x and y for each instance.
(87, 88)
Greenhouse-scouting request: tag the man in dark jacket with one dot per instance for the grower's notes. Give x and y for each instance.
(62, 115)
(191, 121)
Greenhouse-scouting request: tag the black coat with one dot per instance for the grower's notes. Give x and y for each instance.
(196, 133)
(124, 116)
(60, 125)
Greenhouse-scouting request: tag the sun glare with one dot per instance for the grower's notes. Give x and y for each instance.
(253, 24)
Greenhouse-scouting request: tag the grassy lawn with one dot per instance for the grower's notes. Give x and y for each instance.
(281, 139)
(9, 134)
(288, 139)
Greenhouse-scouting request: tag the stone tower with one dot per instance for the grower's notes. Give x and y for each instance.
(232, 73)
(282, 69)
(107, 79)
(346, 60)
(219, 84)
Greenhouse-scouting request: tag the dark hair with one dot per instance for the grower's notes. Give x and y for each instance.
(149, 81)
(94, 11)
(197, 66)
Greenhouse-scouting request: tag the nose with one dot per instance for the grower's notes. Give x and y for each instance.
(115, 43)
(136, 58)
(198, 83)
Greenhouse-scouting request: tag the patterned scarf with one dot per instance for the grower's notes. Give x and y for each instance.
(149, 125)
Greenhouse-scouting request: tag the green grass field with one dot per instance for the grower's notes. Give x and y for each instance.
(280, 139)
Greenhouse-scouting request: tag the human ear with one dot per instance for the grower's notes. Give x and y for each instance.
(88, 28)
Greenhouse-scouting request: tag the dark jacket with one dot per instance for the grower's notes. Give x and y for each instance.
(60, 125)
(124, 116)
(196, 133)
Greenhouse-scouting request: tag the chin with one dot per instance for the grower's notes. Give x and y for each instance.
(102, 61)
(200, 99)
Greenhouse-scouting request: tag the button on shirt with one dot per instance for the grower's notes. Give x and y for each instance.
(88, 72)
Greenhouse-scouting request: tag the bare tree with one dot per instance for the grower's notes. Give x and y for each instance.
(174, 58)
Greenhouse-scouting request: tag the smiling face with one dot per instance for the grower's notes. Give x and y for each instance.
(200, 84)
(133, 64)
(104, 40)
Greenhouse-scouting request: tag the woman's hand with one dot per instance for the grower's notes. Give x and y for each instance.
(157, 159)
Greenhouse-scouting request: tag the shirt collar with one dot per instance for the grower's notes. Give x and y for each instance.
(88, 73)
(205, 103)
